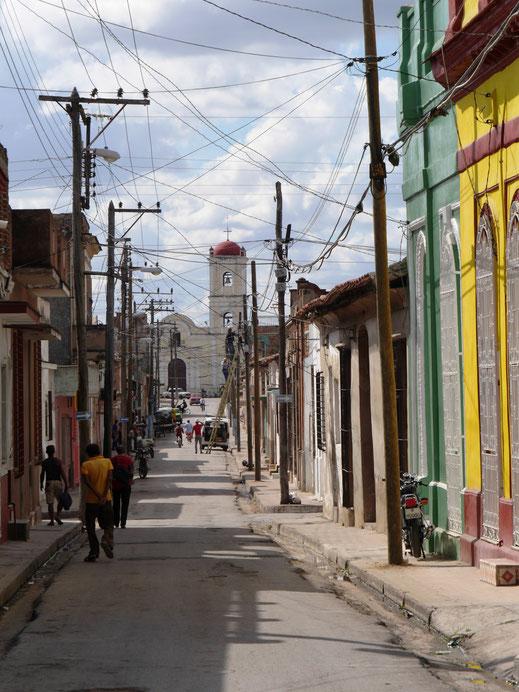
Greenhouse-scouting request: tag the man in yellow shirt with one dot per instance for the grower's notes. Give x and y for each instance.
(97, 472)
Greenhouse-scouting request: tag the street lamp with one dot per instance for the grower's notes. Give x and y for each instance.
(107, 154)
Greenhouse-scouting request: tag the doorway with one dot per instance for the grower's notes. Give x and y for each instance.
(366, 439)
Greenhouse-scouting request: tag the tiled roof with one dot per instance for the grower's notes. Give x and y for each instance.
(348, 291)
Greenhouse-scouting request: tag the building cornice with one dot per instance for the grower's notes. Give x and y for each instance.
(465, 44)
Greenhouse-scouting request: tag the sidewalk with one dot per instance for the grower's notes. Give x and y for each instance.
(447, 595)
(19, 560)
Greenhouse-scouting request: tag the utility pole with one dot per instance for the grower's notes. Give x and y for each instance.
(237, 371)
(378, 178)
(174, 332)
(109, 332)
(151, 396)
(257, 403)
(155, 306)
(109, 337)
(157, 364)
(248, 404)
(129, 394)
(123, 339)
(281, 274)
(75, 110)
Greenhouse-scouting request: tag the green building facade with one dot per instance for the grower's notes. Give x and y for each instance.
(431, 193)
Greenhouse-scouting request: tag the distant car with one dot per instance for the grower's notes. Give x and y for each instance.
(195, 399)
(166, 395)
(184, 395)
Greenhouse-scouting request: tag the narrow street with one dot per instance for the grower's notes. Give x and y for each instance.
(194, 601)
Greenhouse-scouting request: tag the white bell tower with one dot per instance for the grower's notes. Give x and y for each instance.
(228, 284)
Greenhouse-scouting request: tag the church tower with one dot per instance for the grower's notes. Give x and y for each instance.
(228, 284)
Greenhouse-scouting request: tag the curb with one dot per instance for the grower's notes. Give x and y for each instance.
(26, 571)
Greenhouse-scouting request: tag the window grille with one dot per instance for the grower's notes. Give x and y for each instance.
(319, 411)
(19, 397)
(451, 381)
(512, 281)
(489, 413)
(4, 418)
(420, 356)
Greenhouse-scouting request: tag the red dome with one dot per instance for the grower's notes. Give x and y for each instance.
(228, 248)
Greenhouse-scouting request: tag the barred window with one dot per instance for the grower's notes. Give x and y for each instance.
(319, 411)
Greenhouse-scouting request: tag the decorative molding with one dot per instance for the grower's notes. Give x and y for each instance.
(464, 44)
(497, 138)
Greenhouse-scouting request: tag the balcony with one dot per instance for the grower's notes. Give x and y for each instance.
(40, 253)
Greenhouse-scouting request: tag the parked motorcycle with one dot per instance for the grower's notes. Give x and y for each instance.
(415, 526)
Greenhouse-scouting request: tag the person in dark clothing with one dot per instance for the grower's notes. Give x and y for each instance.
(229, 343)
(121, 490)
(115, 434)
(53, 473)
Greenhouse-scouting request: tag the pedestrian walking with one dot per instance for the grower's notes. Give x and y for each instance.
(97, 472)
(179, 431)
(198, 429)
(122, 476)
(115, 434)
(189, 431)
(53, 473)
(202, 404)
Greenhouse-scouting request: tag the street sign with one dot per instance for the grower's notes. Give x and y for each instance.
(284, 398)
(124, 420)
(83, 415)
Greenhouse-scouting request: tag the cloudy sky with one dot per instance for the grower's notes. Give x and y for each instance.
(243, 93)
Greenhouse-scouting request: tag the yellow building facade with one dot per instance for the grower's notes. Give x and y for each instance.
(480, 60)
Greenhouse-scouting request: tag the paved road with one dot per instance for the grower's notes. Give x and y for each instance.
(193, 601)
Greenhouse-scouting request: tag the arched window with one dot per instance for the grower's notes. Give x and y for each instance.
(420, 355)
(451, 373)
(489, 411)
(228, 319)
(512, 306)
(227, 279)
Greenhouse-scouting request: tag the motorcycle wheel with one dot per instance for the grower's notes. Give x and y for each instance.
(152, 452)
(415, 539)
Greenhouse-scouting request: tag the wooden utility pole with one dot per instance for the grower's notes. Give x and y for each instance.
(238, 387)
(281, 274)
(257, 403)
(109, 337)
(175, 384)
(130, 394)
(151, 394)
(75, 111)
(385, 342)
(248, 403)
(123, 340)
